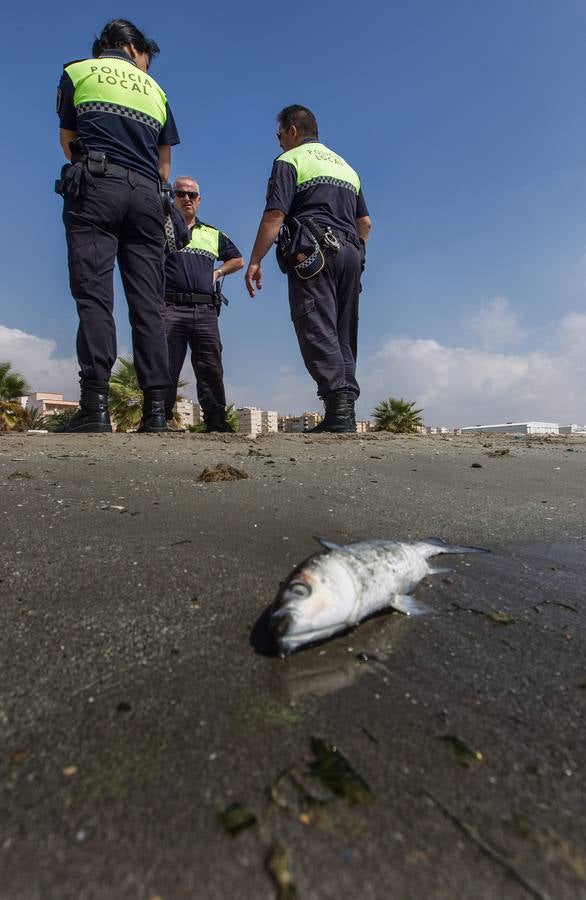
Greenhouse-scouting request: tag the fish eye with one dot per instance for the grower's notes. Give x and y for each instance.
(299, 589)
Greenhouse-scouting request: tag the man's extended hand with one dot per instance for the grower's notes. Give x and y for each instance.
(253, 276)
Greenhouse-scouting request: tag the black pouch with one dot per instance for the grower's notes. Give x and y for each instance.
(74, 180)
(282, 249)
(305, 255)
(60, 182)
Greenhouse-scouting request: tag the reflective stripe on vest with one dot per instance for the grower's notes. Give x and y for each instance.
(315, 164)
(117, 86)
(205, 241)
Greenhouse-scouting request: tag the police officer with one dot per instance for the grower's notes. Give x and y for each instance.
(317, 196)
(192, 306)
(117, 131)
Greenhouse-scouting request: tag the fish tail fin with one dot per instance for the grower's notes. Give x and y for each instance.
(407, 605)
(443, 547)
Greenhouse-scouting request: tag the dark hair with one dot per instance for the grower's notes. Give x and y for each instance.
(300, 116)
(119, 32)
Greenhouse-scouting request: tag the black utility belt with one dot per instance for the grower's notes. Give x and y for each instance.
(98, 164)
(347, 236)
(187, 299)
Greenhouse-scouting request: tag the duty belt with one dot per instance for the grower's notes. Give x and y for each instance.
(188, 299)
(347, 236)
(98, 164)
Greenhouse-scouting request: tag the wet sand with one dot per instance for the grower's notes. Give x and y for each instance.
(138, 699)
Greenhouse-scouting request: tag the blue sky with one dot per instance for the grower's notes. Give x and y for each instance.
(465, 121)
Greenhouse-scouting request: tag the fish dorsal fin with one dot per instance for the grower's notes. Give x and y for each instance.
(327, 545)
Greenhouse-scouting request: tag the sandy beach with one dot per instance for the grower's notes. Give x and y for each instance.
(139, 698)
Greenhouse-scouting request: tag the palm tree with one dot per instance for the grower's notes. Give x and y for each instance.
(12, 386)
(126, 397)
(34, 420)
(397, 416)
(232, 417)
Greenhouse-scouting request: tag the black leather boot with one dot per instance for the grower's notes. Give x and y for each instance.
(153, 412)
(216, 421)
(352, 412)
(337, 417)
(92, 416)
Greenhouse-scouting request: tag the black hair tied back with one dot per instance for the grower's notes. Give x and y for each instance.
(119, 32)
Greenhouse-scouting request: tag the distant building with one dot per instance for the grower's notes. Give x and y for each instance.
(269, 421)
(295, 424)
(189, 412)
(515, 428)
(249, 419)
(572, 429)
(363, 425)
(48, 403)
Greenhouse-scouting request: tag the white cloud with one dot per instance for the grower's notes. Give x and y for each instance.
(495, 324)
(463, 385)
(34, 358)
(468, 386)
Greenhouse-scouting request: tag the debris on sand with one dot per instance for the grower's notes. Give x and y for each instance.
(278, 867)
(335, 772)
(222, 472)
(465, 754)
(236, 818)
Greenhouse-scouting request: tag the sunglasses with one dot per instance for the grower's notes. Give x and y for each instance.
(193, 195)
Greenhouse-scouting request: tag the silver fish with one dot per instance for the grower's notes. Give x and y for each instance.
(334, 590)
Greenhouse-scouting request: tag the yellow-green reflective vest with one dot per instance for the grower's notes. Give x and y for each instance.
(205, 241)
(316, 164)
(111, 84)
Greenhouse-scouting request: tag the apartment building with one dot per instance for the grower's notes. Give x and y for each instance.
(189, 412)
(250, 420)
(48, 403)
(269, 421)
(293, 424)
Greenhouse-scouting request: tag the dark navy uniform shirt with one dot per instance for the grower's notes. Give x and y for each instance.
(191, 270)
(325, 202)
(127, 141)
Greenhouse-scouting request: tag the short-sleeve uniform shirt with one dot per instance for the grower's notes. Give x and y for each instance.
(311, 180)
(117, 109)
(191, 270)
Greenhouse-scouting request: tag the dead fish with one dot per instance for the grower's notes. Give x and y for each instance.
(334, 590)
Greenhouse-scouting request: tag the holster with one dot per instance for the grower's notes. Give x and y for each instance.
(219, 298)
(77, 175)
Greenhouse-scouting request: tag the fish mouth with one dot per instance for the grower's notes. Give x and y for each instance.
(280, 623)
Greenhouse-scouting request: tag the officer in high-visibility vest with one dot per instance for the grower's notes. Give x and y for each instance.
(117, 131)
(316, 208)
(192, 306)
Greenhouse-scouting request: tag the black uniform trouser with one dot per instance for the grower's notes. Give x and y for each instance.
(120, 216)
(324, 311)
(197, 327)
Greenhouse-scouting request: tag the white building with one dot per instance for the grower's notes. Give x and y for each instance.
(515, 428)
(296, 424)
(572, 429)
(269, 421)
(250, 420)
(188, 412)
(47, 403)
